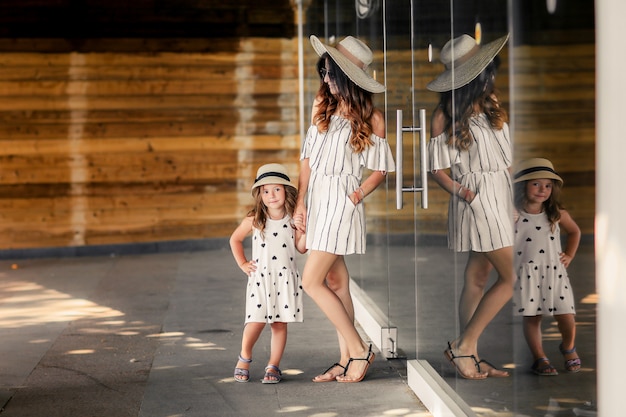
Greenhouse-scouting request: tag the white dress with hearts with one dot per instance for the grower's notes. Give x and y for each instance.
(542, 286)
(274, 292)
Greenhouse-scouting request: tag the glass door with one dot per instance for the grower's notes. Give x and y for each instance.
(409, 283)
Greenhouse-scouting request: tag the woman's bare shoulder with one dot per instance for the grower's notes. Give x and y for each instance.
(437, 122)
(378, 123)
(315, 108)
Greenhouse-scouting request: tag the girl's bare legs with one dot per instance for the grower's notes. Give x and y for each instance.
(277, 346)
(567, 327)
(316, 269)
(338, 281)
(490, 304)
(251, 333)
(532, 333)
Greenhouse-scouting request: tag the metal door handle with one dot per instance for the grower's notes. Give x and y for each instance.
(423, 171)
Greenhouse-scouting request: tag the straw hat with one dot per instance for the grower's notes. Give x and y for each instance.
(271, 174)
(467, 58)
(536, 168)
(353, 57)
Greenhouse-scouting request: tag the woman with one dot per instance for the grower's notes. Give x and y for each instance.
(470, 136)
(346, 134)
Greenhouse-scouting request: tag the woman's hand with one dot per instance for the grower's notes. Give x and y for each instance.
(357, 196)
(466, 194)
(299, 222)
(299, 218)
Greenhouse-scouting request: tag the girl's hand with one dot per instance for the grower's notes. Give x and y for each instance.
(565, 259)
(248, 267)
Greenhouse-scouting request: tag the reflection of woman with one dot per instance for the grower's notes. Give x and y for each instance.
(346, 134)
(470, 136)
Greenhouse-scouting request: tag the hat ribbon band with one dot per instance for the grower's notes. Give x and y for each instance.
(463, 59)
(534, 169)
(272, 174)
(356, 61)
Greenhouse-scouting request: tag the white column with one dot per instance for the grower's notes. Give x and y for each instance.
(611, 197)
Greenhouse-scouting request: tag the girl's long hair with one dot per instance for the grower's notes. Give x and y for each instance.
(459, 105)
(259, 211)
(552, 206)
(358, 101)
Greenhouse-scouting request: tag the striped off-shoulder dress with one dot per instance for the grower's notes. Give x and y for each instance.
(485, 224)
(334, 223)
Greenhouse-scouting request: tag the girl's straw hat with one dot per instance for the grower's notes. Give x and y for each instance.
(536, 168)
(353, 57)
(271, 174)
(464, 60)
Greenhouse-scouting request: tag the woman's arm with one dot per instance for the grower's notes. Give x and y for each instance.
(236, 245)
(573, 237)
(300, 241)
(303, 184)
(376, 177)
(441, 177)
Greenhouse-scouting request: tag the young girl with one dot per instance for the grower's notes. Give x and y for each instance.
(543, 286)
(274, 292)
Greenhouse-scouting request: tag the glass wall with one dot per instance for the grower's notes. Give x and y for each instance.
(410, 280)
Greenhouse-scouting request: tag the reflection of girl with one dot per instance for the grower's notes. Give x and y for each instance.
(543, 287)
(470, 136)
(346, 135)
(273, 291)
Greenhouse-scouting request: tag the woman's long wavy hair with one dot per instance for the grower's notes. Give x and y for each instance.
(358, 102)
(260, 213)
(552, 206)
(459, 105)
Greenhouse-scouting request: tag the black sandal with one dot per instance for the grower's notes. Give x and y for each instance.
(370, 358)
(449, 354)
(317, 379)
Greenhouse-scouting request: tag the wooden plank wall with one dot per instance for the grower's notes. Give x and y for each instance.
(107, 148)
(103, 148)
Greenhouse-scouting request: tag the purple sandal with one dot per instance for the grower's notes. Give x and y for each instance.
(571, 365)
(241, 374)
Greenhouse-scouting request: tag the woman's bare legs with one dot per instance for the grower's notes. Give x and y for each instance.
(477, 272)
(314, 275)
(338, 281)
(490, 304)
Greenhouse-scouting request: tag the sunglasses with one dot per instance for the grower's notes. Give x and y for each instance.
(324, 72)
